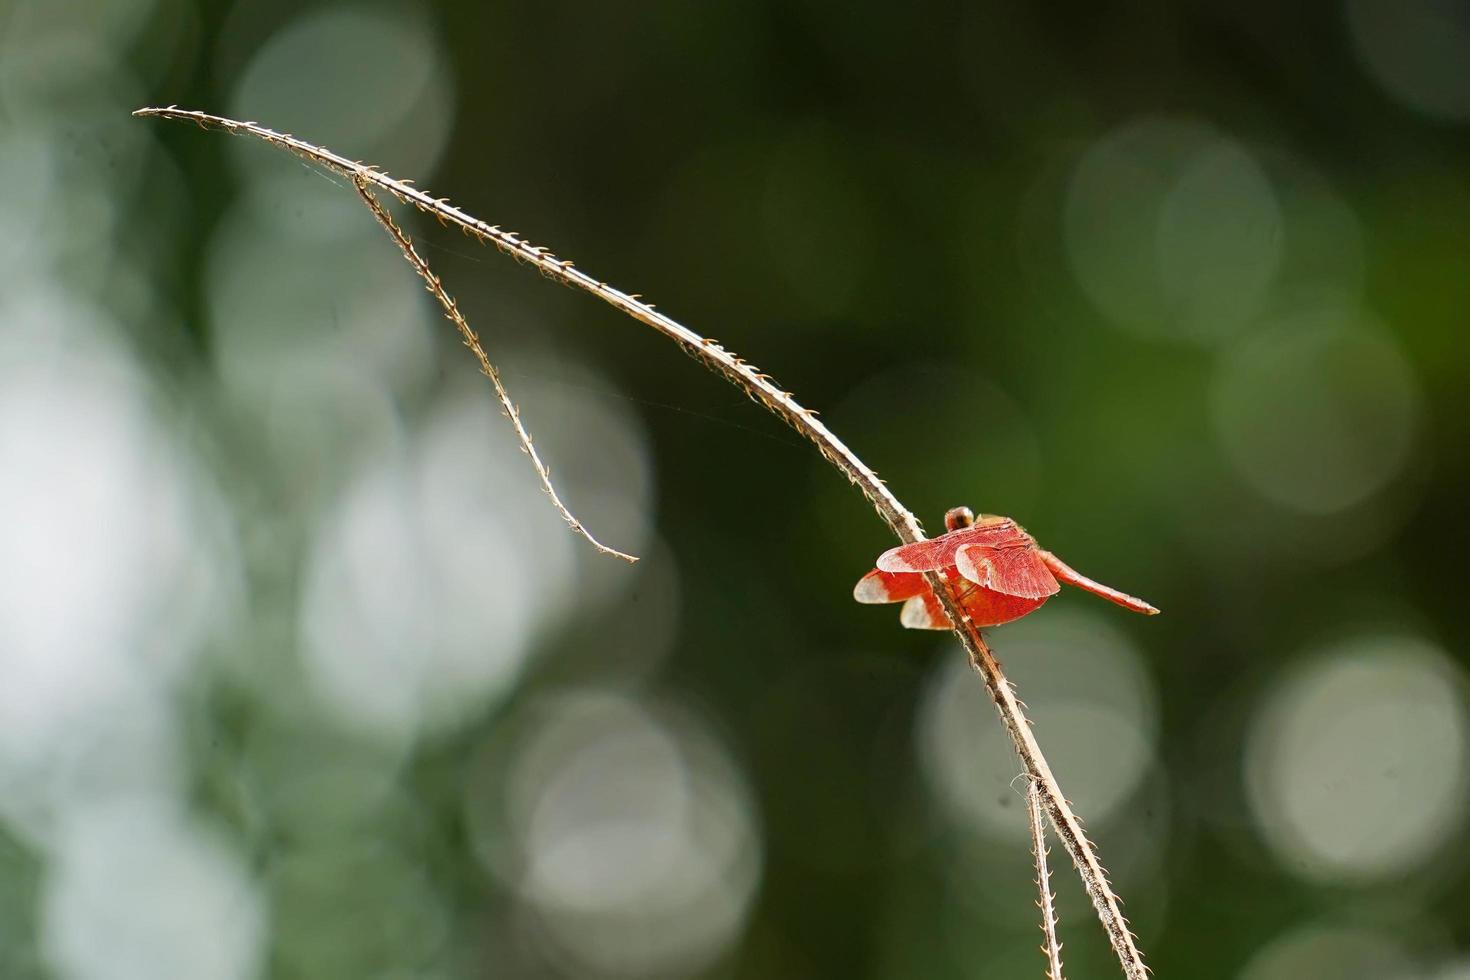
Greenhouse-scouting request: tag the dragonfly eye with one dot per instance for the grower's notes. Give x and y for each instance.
(958, 517)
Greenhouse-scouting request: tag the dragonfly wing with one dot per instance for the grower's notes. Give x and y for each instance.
(1016, 570)
(880, 586)
(923, 612)
(936, 553)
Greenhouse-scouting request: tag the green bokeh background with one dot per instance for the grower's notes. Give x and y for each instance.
(1180, 287)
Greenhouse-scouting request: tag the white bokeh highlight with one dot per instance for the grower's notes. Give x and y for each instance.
(1087, 689)
(629, 835)
(115, 565)
(304, 287)
(421, 595)
(1317, 411)
(440, 560)
(139, 892)
(1173, 230)
(1458, 970)
(1356, 764)
(368, 81)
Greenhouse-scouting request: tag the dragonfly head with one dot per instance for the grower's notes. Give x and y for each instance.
(958, 517)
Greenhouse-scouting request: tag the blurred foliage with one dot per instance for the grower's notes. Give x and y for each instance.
(300, 677)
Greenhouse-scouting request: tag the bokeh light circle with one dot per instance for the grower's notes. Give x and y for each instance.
(1356, 765)
(1417, 50)
(1340, 952)
(115, 566)
(628, 833)
(601, 463)
(137, 892)
(1458, 970)
(421, 597)
(1173, 230)
(337, 299)
(367, 81)
(1087, 690)
(1318, 411)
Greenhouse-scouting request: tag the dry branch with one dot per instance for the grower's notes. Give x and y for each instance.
(760, 388)
(472, 341)
(1051, 948)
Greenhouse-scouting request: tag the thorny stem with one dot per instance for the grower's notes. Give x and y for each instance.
(1052, 949)
(761, 389)
(472, 341)
(1066, 823)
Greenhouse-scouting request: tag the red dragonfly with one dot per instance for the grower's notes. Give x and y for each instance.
(996, 569)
